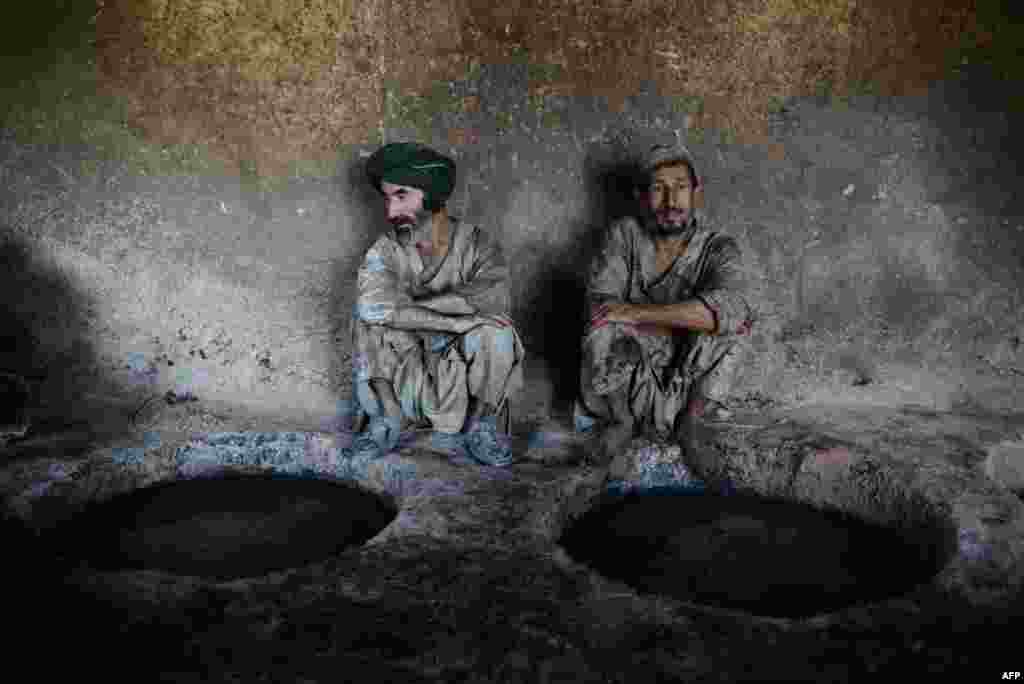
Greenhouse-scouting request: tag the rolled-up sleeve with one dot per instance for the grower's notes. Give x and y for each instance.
(379, 289)
(724, 287)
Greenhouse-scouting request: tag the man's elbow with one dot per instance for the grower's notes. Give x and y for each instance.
(727, 315)
(494, 300)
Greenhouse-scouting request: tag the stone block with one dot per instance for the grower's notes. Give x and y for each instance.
(1005, 464)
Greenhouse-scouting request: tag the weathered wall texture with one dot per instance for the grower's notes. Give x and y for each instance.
(276, 81)
(261, 84)
(882, 219)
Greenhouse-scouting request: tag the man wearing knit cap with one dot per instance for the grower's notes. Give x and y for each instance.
(668, 319)
(434, 344)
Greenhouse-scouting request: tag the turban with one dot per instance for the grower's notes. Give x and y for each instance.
(664, 155)
(416, 166)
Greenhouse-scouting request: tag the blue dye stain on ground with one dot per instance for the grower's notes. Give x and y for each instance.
(972, 545)
(126, 456)
(188, 381)
(137, 361)
(140, 371)
(286, 453)
(623, 487)
(690, 487)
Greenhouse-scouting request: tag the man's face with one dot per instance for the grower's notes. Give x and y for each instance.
(670, 197)
(404, 204)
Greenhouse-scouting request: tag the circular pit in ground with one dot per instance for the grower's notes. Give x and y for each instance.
(225, 528)
(763, 556)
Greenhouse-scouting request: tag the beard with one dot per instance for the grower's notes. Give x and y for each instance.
(413, 224)
(672, 222)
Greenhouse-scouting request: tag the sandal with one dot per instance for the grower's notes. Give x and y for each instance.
(487, 445)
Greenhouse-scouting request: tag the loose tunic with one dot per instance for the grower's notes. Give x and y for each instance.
(661, 373)
(434, 372)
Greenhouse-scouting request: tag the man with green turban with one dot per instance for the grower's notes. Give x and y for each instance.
(434, 344)
(669, 317)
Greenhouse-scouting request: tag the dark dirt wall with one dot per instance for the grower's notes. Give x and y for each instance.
(872, 186)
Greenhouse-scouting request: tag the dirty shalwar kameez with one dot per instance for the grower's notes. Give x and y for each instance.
(435, 372)
(661, 373)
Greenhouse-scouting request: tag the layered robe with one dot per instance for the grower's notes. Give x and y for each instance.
(660, 374)
(435, 372)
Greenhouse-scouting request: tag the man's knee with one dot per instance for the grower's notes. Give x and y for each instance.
(497, 342)
(718, 382)
(611, 371)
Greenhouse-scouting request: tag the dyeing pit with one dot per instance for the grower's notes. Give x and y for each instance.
(224, 528)
(764, 556)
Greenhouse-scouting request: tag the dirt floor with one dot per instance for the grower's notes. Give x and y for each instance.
(469, 583)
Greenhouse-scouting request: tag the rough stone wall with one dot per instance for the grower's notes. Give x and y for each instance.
(884, 225)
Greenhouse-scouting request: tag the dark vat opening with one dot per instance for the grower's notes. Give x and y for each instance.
(224, 528)
(764, 556)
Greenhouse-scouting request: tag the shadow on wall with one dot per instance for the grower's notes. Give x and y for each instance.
(551, 311)
(44, 337)
(366, 218)
(981, 159)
